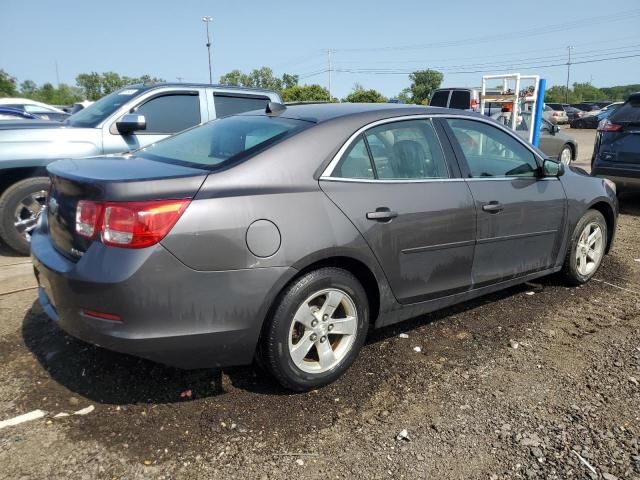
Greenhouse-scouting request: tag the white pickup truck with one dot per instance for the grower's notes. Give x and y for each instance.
(125, 120)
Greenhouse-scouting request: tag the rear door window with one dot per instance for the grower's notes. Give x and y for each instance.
(170, 113)
(440, 98)
(227, 105)
(460, 99)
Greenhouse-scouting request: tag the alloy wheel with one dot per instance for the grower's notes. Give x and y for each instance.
(28, 211)
(590, 249)
(323, 330)
(565, 156)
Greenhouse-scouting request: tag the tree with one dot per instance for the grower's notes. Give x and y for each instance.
(7, 85)
(306, 93)
(405, 96)
(259, 78)
(423, 82)
(28, 89)
(360, 95)
(91, 85)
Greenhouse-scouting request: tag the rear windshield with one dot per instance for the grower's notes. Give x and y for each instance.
(222, 142)
(628, 112)
(460, 99)
(439, 98)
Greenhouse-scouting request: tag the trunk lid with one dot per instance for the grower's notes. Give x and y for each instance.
(113, 179)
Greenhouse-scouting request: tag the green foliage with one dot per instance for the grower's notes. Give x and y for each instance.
(405, 95)
(423, 82)
(585, 92)
(7, 85)
(260, 78)
(306, 93)
(95, 85)
(360, 95)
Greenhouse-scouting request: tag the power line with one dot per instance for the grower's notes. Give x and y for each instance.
(540, 61)
(561, 27)
(454, 72)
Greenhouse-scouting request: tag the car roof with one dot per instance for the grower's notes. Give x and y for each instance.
(152, 85)
(323, 112)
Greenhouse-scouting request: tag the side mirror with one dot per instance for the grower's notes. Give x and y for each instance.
(552, 168)
(131, 122)
(554, 129)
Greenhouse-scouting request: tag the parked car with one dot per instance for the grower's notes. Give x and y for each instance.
(463, 99)
(572, 112)
(616, 152)
(9, 113)
(125, 120)
(590, 121)
(610, 106)
(586, 107)
(286, 233)
(553, 142)
(558, 117)
(37, 109)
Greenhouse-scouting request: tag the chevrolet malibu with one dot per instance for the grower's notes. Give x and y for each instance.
(284, 235)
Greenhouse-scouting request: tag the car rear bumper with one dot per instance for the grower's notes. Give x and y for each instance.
(624, 178)
(169, 313)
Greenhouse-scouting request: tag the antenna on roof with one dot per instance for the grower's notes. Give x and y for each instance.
(274, 108)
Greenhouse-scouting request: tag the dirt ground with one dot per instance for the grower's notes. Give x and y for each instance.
(538, 381)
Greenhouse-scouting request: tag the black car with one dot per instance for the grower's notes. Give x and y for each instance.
(586, 107)
(616, 153)
(590, 121)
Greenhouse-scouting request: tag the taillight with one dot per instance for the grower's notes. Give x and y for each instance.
(554, 114)
(87, 217)
(607, 125)
(129, 224)
(474, 104)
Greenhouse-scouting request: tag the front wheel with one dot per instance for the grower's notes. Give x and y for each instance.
(587, 247)
(20, 207)
(317, 329)
(566, 155)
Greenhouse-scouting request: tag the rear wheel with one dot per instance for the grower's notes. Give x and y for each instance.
(587, 247)
(20, 207)
(317, 329)
(566, 155)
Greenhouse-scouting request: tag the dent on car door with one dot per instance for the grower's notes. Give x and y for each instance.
(396, 186)
(520, 214)
(166, 114)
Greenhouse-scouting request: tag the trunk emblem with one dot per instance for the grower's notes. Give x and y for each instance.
(53, 205)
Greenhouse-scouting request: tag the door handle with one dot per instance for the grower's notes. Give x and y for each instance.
(382, 214)
(493, 207)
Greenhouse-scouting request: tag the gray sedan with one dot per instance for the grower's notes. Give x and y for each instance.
(286, 234)
(554, 143)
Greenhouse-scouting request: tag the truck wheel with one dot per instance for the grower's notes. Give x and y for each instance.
(20, 207)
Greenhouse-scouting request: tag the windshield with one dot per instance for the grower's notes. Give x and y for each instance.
(97, 112)
(222, 142)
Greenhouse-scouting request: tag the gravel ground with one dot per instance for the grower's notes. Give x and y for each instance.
(538, 381)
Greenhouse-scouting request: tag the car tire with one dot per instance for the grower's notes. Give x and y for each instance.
(566, 155)
(580, 265)
(298, 347)
(24, 199)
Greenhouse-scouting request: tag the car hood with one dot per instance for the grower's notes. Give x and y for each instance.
(26, 123)
(48, 140)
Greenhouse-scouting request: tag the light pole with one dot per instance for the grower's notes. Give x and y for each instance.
(206, 21)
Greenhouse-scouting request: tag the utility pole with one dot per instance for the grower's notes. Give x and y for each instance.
(570, 48)
(57, 75)
(207, 21)
(329, 70)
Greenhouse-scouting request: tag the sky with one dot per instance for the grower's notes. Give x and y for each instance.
(373, 43)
